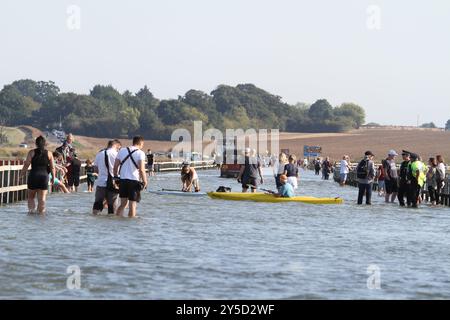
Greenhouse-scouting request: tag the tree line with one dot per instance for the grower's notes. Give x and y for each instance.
(105, 112)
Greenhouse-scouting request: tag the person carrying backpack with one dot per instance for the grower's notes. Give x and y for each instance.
(365, 172)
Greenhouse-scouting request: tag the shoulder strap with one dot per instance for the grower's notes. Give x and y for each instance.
(129, 156)
(106, 160)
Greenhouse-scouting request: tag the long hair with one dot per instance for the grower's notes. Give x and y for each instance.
(40, 145)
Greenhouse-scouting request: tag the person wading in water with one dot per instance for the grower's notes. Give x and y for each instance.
(248, 175)
(42, 164)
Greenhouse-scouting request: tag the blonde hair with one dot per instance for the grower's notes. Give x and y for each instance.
(292, 157)
(283, 157)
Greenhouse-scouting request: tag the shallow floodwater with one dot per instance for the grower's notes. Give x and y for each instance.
(200, 248)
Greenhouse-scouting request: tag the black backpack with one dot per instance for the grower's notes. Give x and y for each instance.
(223, 189)
(362, 170)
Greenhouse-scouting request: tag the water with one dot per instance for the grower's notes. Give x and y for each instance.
(200, 248)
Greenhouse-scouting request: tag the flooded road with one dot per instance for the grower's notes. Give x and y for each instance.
(199, 248)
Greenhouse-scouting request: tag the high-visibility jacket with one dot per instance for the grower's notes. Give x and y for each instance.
(418, 171)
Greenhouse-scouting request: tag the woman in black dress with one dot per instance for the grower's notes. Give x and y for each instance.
(42, 164)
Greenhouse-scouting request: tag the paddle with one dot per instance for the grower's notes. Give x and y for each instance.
(257, 188)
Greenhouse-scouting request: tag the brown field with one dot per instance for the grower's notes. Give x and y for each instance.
(355, 143)
(425, 142)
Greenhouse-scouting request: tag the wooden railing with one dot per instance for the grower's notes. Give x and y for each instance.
(13, 187)
(177, 165)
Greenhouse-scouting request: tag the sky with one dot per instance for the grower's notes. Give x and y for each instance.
(390, 57)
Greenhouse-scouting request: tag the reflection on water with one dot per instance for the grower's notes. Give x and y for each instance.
(182, 247)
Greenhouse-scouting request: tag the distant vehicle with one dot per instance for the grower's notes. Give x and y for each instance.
(23, 145)
(58, 133)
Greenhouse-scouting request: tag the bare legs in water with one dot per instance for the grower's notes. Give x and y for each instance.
(41, 198)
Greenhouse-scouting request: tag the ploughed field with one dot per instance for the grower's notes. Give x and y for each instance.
(379, 141)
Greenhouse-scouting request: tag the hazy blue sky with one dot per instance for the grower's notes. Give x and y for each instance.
(300, 50)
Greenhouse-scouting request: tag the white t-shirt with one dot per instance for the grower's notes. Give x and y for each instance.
(129, 170)
(344, 167)
(441, 167)
(99, 162)
(279, 167)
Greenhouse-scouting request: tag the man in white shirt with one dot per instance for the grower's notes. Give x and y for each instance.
(103, 166)
(130, 166)
(345, 169)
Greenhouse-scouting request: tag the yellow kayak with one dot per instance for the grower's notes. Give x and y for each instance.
(264, 197)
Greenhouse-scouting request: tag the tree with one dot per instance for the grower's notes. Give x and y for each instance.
(205, 104)
(16, 108)
(447, 125)
(38, 91)
(110, 96)
(320, 110)
(3, 136)
(107, 113)
(353, 112)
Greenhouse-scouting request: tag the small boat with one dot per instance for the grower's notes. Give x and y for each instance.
(165, 192)
(264, 197)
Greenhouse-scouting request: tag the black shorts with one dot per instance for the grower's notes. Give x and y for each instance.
(391, 186)
(130, 189)
(250, 181)
(38, 180)
(73, 180)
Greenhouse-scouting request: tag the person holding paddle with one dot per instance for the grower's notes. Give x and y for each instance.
(286, 189)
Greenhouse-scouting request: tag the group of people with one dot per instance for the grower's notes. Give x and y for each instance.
(406, 183)
(121, 173)
(285, 171)
(324, 166)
